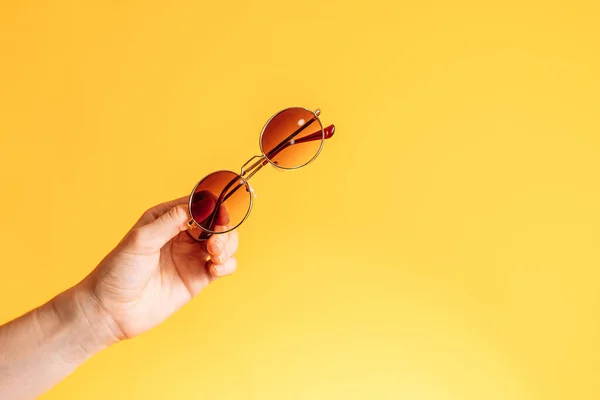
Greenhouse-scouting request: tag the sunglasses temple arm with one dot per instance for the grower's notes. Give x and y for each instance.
(220, 201)
(285, 141)
(329, 131)
(257, 166)
(222, 198)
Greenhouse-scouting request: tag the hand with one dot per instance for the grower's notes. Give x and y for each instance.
(156, 269)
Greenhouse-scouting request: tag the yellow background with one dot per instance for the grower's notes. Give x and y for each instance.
(445, 245)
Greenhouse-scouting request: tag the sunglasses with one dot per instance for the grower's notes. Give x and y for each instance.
(222, 201)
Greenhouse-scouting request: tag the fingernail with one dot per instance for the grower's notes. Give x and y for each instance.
(213, 270)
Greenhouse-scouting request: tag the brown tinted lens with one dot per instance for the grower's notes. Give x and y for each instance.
(292, 138)
(221, 201)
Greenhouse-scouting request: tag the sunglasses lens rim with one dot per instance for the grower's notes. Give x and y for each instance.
(248, 190)
(260, 139)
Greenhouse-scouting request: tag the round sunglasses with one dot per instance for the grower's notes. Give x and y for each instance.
(290, 139)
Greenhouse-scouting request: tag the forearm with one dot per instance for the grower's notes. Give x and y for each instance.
(42, 347)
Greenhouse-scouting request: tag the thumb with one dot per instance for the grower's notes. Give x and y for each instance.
(153, 236)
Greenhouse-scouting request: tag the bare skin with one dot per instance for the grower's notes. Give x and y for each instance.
(155, 270)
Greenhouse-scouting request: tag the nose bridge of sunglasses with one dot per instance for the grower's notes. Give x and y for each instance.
(245, 167)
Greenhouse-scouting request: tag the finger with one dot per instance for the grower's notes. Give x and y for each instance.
(154, 235)
(203, 204)
(207, 209)
(223, 216)
(219, 270)
(223, 248)
(160, 209)
(216, 243)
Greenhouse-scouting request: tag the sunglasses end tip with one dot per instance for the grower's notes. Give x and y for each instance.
(329, 131)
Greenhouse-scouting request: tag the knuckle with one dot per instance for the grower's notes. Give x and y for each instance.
(149, 213)
(219, 260)
(177, 213)
(140, 239)
(137, 236)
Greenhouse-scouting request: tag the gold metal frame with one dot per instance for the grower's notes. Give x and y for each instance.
(195, 228)
(199, 233)
(316, 113)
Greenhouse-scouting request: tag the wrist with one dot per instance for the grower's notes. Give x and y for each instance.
(90, 329)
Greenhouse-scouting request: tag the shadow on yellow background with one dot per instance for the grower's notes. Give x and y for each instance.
(444, 245)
